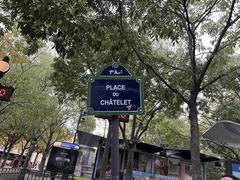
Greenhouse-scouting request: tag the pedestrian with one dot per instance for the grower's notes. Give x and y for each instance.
(227, 177)
(16, 163)
(30, 166)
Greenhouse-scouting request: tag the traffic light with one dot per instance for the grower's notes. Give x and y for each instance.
(4, 66)
(6, 93)
(84, 114)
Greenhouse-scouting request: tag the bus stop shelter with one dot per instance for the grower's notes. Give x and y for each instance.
(224, 132)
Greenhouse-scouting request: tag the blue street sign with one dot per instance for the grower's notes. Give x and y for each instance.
(236, 170)
(118, 71)
(115, 95)
(114, 91)
(66, 145)
(69, 145)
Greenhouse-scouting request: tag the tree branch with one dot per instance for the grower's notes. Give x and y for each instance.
(191, 42)
(208, 119)
(123, 135)
(218, 43)
(222, 145)
(148, 66)
(152, 114)
(237, 94)
(171, 66)
(228, 43)
(220, 77)
(207, 11)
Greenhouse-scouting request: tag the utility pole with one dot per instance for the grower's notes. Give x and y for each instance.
(78, 123)
(115, 149)
(82, 99)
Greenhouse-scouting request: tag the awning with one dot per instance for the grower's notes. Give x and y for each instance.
(88, 139)
(186, 155)
(224, 132)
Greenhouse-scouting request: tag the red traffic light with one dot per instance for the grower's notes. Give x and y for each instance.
(6, 93)
(123, 118)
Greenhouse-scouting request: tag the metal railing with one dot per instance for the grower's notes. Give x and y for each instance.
(13, 173)
(9, 173)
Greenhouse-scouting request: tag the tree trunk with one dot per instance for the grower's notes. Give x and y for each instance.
(7, 154)
(34, 162)
(130, 158)
(105, 156)
(123, 159)
(4, 151)
(43, 160)
(129, 174)
(195, 139)
(22, 153)
(28, 158)
(45, 154)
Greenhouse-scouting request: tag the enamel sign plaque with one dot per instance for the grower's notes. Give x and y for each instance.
(115, 90)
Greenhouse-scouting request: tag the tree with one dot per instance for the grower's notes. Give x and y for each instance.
(168, 132)
(11, 132)
(54, 133)
(123, 29)
(12, 124)
(224, 38)
(55, 130)
(42, 110)
(33, 98)
(16, 47)
(228, 104)
(226, 108)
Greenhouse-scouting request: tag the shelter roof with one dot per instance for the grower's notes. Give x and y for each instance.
(91, 140)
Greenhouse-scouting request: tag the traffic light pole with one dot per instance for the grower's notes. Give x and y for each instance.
(115, 149)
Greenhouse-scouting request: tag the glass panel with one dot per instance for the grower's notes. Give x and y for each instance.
(174, 167)
(145, 162)
(160, 165)
(186, 172)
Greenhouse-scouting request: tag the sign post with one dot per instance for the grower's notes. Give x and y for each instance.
(115, 91)
(115, 149)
